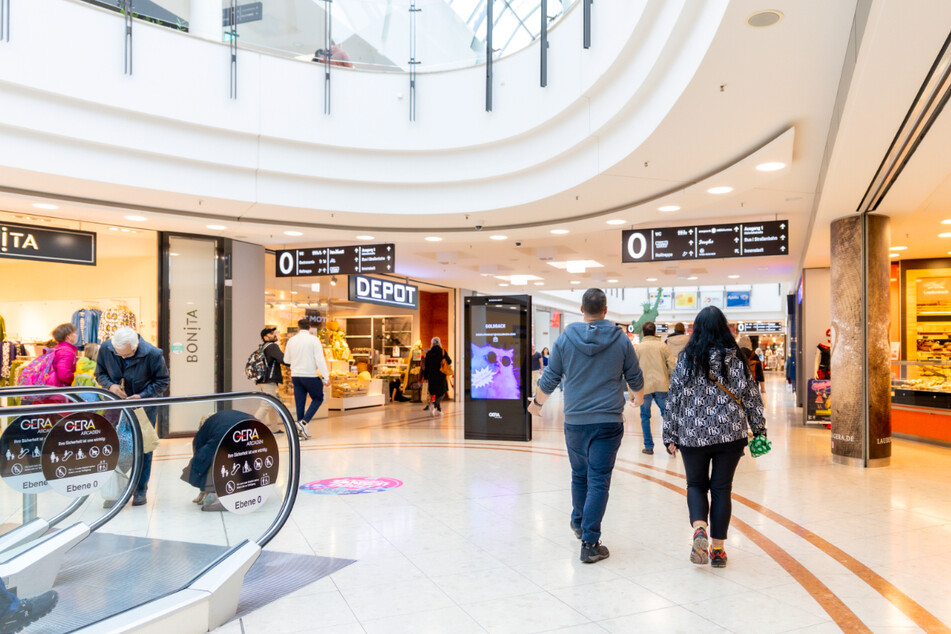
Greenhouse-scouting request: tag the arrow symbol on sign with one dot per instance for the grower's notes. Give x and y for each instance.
(782, 237)
(389, 248)
(782, 248)
(782, 226)
(736, 239)
(736, 229)
(387, 267)
(691, 243)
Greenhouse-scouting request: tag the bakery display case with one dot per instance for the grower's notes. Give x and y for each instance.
(921, 399)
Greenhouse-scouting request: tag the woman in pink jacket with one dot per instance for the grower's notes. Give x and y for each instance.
(64, 356)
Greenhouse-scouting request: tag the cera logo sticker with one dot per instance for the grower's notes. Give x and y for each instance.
(351, 486)
(246, 466)
(21, 450)
(79, 454)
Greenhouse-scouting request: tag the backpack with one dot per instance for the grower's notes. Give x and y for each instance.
(256, 368)
(37, 371)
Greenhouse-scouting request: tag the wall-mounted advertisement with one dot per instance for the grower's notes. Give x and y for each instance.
(711, 298)
(497, 370)
(738, 299)
(685, 300)
(666, 299)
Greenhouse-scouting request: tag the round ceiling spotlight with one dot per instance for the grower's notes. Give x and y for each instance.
(498, 237)
(771, 166)
(365, 238)
(762, 19)
(216, 227)
(136, 218)
(720, 190)
(293, 233)
(559, 232)
(433, 239)
(666, 208)
(45, 206)
(617, 221)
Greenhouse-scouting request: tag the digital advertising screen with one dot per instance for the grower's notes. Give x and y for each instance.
(497, 367)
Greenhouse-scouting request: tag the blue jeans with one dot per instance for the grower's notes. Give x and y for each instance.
(143, 484)
(661, 398)
(304, 385)
(591, 450)
(9, 602)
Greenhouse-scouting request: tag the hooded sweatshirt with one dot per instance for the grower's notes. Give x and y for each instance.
(594, 361)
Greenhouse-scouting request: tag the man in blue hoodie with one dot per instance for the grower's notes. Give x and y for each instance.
(594, 360)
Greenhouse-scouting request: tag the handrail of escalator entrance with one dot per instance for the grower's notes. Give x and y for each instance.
(293, 444)
(72, 391)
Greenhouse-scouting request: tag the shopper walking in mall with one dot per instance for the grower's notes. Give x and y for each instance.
(271, 378)
(537, 366)
(754, 364)
(305, 354)
(594, 360)
(656, 363)
(678, 340)
(712, 402)
(130, 367)
(436, 379)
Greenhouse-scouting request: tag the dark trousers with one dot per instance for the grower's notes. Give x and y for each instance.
(143, 484)
(304, 385)
(716, 481)
(437, 399)
(592, 450)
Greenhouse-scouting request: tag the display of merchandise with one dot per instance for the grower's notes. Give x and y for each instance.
(114, 318)
(3, 329)
(335, 339)
(927, 377)
(933, 341)
(413, 380)
(347, 385)
(86, 321)
(10, 351)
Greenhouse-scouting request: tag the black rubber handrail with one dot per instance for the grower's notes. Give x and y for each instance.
(72, 391)
(290, 431)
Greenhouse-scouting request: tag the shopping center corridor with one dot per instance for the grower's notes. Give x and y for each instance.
(476, 537)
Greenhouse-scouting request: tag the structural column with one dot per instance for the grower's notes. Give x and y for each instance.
(205, 19)
(861, 388)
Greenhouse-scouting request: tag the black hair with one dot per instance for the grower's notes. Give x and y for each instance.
(710, 332)
(649, 329)
(303, 324)
(594, 302)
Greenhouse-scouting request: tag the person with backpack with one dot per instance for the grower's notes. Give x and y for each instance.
(711, 405)
(437, 363)
(264, 368)
(56, 367)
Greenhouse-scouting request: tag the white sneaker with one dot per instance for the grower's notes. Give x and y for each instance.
(302, 430)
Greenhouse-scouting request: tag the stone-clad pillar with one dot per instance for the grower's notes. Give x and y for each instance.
(861, 384)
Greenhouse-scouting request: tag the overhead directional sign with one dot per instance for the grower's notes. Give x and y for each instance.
(760, 326)
(349, 260)
(704, 242)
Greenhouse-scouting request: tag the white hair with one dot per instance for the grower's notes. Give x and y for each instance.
(436, 342)
(125, 336)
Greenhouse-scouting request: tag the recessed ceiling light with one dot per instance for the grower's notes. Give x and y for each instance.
(503, 284)
(293, 233)
(720, 190)
(617, 221)
(733, 277)
(433, 239)
(293, 292)
(498, 237)
(897, 248)
(113, 228)
(539, 283)
(365, 238)
(217, 227)
(45, 206)
(136, 218)
(894, 255)
(575, 282)
(762, 19)
(174, 255)
(559, 232)
(693, 277)
(612, 281)
(946, 222)
(669, 208)
(772, 166)
(125, 230)
(652, 279)
(944, 235)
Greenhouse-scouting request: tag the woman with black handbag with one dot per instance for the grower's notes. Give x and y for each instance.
(712, 402)
(435, 368)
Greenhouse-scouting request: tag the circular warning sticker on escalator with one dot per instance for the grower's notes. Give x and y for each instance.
(79, 454)
(246, 466)
(21, 450)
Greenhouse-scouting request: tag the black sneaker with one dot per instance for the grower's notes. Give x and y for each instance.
(591, 553)
(30, 610)
(649, 452)
(576, 530)
(718, 557)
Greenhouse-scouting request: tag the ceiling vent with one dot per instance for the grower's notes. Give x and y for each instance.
(762, 19)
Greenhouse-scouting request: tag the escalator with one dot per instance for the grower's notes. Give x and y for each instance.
(167, 564)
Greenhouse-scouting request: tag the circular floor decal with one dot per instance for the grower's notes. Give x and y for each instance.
(351, 486)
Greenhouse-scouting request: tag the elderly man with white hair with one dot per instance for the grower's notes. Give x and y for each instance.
(130, 367)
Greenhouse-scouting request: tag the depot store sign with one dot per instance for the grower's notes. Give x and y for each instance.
(372, 290)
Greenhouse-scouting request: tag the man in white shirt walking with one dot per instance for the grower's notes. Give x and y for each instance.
(305, 355)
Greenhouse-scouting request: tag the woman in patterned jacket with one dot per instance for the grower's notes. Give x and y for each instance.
(711, 402)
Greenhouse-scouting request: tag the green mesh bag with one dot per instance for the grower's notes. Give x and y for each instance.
(760, 445)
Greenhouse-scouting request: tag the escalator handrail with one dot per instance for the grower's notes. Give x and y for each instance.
(72, 391)
(293, 480)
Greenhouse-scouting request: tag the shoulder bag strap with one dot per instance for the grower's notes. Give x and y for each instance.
(731, 394)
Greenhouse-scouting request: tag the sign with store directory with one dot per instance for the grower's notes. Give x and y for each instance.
(47, 244)
(21, 450)
(756, 327)
(348, 260)
(705, 242)
(79, 454)
(243, 13)
(246, 466)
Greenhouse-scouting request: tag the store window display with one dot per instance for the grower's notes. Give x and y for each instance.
(823, 369)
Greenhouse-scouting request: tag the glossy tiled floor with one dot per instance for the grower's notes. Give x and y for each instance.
(477, 538)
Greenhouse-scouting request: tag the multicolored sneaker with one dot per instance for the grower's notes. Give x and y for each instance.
(593, 553)
(698, 552)
(718, 557)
